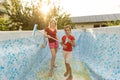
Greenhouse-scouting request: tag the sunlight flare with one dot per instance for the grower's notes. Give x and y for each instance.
(45, 7)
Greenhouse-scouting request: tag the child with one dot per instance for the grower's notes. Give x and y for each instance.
(51, 30)
(67, 43)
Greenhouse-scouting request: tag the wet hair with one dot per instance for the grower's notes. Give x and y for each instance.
(67, 26)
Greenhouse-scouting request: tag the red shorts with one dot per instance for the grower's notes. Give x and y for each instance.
(53, 45)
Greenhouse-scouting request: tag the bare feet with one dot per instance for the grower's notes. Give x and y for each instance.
(54, 66)
(69, 78)
(50, 73)
(65, 74)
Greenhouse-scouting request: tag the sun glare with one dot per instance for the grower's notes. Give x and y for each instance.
(29, 3)
(45, 7)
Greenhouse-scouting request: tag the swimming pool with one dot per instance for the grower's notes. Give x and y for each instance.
(96, 55)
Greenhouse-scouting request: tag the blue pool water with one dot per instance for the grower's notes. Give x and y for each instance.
(96, 55)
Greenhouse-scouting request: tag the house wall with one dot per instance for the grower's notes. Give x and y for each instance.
(90, 25)
(83, 26)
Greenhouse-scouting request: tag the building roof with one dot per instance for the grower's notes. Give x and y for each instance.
(96, 18)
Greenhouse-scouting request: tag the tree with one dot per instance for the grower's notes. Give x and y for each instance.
(4, 24)
(14, 9)
(26, 16)
(62, 18)
(113, 23)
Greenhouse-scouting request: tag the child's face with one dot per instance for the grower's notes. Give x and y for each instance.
(52, 24)
(67, 31)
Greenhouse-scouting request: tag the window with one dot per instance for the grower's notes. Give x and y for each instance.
(103, 25)
(96, 25)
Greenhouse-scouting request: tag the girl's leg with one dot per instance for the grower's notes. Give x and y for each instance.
(53, 53)
(66, 73)
(70, 72)
(56, 49)
(68, 57)
(66, 66)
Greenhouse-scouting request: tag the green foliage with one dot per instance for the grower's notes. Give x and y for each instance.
(27, 16)
(14, 11)
(113, 23)
(4, 24)
(64, 20)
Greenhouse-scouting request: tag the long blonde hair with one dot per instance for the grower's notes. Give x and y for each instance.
(54, 21)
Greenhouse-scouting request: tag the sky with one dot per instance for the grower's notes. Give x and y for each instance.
(84, 7)
(90, 7)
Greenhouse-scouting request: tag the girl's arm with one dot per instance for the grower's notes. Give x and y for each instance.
(64, 46)
(72, 42)
(45, 34)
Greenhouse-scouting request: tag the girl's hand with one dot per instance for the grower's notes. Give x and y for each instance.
(69, 41)
(64, 46)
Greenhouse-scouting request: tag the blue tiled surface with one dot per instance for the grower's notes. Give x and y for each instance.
(101, 54)
(20, 58)
(98, 49)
